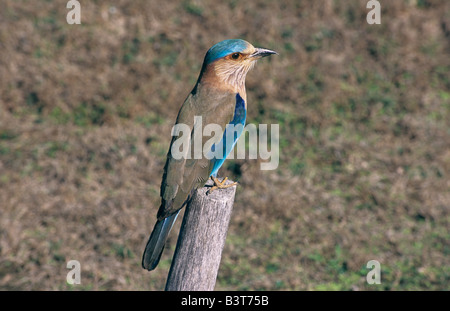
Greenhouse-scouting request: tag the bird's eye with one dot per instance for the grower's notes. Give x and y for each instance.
(235, 55)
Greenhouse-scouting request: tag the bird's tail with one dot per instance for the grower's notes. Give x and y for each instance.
(156, 242)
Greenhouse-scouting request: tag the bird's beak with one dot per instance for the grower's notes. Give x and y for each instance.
(259, 53)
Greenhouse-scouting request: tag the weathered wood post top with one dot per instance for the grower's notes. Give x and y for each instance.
(201, 240)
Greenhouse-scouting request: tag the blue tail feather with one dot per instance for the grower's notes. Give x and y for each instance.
(156, 242)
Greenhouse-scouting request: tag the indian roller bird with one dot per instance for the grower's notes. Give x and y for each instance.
(218, 97)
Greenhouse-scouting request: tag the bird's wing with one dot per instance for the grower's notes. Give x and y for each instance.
(182, 176)
(224, 146)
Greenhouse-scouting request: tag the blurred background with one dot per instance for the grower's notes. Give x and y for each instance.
(85, 118)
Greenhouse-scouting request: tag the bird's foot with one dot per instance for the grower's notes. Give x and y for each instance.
(220, 184)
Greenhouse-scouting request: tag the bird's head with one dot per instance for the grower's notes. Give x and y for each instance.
(230, 61)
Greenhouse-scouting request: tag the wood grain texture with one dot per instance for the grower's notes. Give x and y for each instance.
(201, 240)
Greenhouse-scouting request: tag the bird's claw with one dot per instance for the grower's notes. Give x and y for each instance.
(220, 184)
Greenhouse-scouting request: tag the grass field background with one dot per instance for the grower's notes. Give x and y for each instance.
(364, 113)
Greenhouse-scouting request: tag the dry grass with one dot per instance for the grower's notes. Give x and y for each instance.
(86, 111)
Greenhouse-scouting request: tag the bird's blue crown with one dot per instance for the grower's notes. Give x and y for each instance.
(224, 48)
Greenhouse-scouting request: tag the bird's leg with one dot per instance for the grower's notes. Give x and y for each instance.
(220, 184)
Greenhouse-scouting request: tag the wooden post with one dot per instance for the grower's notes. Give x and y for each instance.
(201, 240)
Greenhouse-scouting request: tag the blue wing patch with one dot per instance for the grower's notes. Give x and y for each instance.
(234, 129)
